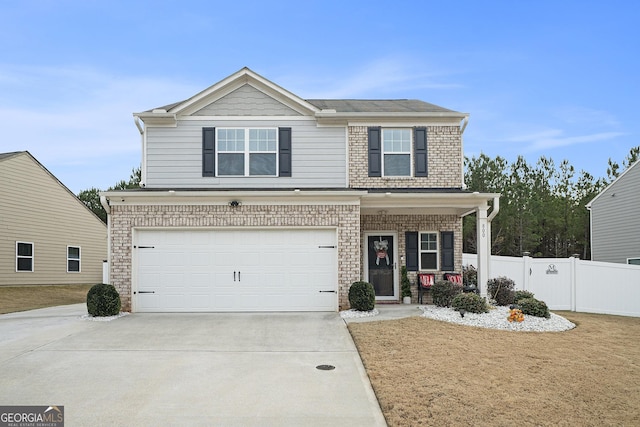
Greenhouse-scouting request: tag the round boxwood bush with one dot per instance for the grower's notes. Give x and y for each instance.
(443, 292)
(534, 307)
(470, 302)
(103, 300)
(522, 295)
(362, 296)
(501, 290)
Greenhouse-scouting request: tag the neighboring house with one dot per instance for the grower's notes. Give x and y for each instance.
(615, 222)
(47, 235)
(254, 199)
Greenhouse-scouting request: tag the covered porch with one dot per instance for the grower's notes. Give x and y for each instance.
(422, 230)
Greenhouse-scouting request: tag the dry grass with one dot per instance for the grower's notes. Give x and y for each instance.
(22, 298)
(431, 373)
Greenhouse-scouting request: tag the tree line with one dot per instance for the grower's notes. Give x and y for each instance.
(542, 206)
(91, 196)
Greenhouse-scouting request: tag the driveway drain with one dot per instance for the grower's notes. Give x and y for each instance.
(326, 367)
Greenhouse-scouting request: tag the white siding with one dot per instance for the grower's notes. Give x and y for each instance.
(174, 156)
(616, 220)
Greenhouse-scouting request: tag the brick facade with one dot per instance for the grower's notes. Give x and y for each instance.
(124, 218)
(403, 223)
(444, 158)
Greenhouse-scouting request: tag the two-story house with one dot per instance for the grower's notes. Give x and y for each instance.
(254, 199)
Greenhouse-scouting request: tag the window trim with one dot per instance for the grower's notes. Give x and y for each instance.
(383, 152)
(32, 257)
(247, 152)
(421, 251)
(79, 259)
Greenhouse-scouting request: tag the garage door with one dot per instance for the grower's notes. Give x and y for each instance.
(235, 270)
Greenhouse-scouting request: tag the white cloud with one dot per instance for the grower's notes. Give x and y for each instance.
(396, 75)
(555, 138)
(75, 115)
(576, 115)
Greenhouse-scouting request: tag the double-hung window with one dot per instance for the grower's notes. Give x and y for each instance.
(24, 256)
(428, 251)
(73, 259)
(247, 152)
(396, 152)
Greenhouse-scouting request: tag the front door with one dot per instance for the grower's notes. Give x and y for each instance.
(380, 262)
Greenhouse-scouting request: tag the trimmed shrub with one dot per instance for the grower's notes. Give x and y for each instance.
(470, 302)
(362, 296)
(103, 300)
(534, 307)
(469, 275)
(443, 292)
(522, 295)
(501, 290)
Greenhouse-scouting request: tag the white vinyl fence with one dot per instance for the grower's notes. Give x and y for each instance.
(572, 284)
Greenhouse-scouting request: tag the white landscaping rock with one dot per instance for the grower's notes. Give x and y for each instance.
(352, 314)
(497, 319)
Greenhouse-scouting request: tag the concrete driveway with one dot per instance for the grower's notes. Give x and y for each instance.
(237, 369)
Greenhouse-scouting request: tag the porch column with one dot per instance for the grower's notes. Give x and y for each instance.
(482, 246)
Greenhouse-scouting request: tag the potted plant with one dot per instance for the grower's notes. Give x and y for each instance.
(405, 286)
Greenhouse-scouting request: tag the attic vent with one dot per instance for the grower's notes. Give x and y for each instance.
(159, 110)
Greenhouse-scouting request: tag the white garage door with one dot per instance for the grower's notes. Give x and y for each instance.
(235, 270)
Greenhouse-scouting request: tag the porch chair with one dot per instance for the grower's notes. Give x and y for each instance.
(453, 278)
(457, 279)
(425, 282)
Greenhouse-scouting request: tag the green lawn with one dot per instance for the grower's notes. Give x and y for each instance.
(22, 298)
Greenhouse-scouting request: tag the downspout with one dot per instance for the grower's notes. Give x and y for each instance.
(495, 210)
(105, 204)
(588, 206)
(463, 126)
(143, 163)
(492, 215)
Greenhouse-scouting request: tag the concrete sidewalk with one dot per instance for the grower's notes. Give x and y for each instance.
(248, 369)
(390, 312)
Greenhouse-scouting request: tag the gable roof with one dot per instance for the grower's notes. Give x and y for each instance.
(326, 109)
(6, 156)
(588, 205)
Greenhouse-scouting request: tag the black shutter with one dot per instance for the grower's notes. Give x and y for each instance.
(284, 151)
(447, 251)
(208, 151)
(375, 151)
(420, 151)
(411, 250)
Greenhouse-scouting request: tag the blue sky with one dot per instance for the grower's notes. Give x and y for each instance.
(553, 78)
